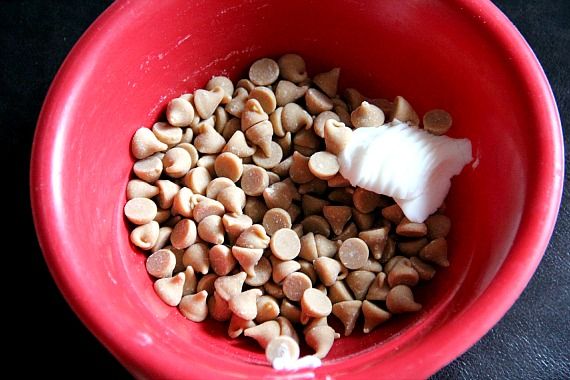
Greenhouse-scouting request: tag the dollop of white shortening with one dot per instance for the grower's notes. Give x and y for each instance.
(286, 362)
(406, 163)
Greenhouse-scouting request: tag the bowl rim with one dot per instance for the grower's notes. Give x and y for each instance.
(460, 333)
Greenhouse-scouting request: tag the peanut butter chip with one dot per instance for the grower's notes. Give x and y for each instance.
(161, 263)
(437, 122)
(285, 244)
(179, 112)
(348, 312)
(262, 273)
(404, 112)
(401, 300)
(265, 97)
(271, 160)
(324, 165)
(292, 68)
(315, 303)
(328, 81)
(264, 333)
(295, 285)
(373, 316)
(194, 306)
(145, 143)
(264, 72)
(140, 210)
(254, 180)
(320, 339)
(276, 219)
(367, 115)
(353, 253)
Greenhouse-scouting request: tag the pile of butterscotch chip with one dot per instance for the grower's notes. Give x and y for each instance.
(239, 201)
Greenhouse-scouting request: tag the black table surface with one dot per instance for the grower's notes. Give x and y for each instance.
(531, 341)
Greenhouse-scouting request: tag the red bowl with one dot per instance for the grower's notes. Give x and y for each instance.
(463, 56)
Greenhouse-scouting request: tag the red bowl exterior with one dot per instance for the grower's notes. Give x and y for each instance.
(464, 56)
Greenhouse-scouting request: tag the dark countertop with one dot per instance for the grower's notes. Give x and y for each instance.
(531, 341)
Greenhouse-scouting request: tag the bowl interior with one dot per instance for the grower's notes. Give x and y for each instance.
(120, 77)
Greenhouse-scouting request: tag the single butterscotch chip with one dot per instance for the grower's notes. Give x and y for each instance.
(317, 102)
(254, 180)
(208, 140)
(206, 101)
(203, 207)
(217, 185)
(411, 229)
(184, 234)
(211, 229)
(364, 221)
(265, 97)
(438, 226)
(169, 289)
(328, 81)
(327, 269)
(197, 257)
(264, 333)
(229, 286)
(292, 67)
(282, 347)
(321, 339)
(400, 299)
(403, 273)
(316, 224)
(435, 252)
(271, 160)
(225, 83)
(287, 92)
(264, 72)
(359, 282)
(376, 240)
(337, 136)
(295, 285)
(348, 313)
(404, 112)
(337, 216)
(163, 239)
(437, 122)
(238, 145)
(262, 273)
(319, 122)
(373, 316)
(221, 259)
(295, 118)
(233, 199)
(179, 112)
(236, 106)
(326, 247)
(228, 165)
(247, 258)
(167, 133)
(379, 288)
(167, 192)
(197, 180)
(308, 247)
(235, 225)
(140, 210)
(425, 270)
(148, 169)
(244, 305)
(276, 219)
(267, 309)
(161, 263)
(367, 115)
(218, 308)
(283, 268)
(338, 292)
(324, 165)
(314, 303)
(353, 253)
(278, 195)
(255, 208)
(365, 201)
(176, 162)
(181, 204)
(194, 306)
(252, 114)
(245, 84)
